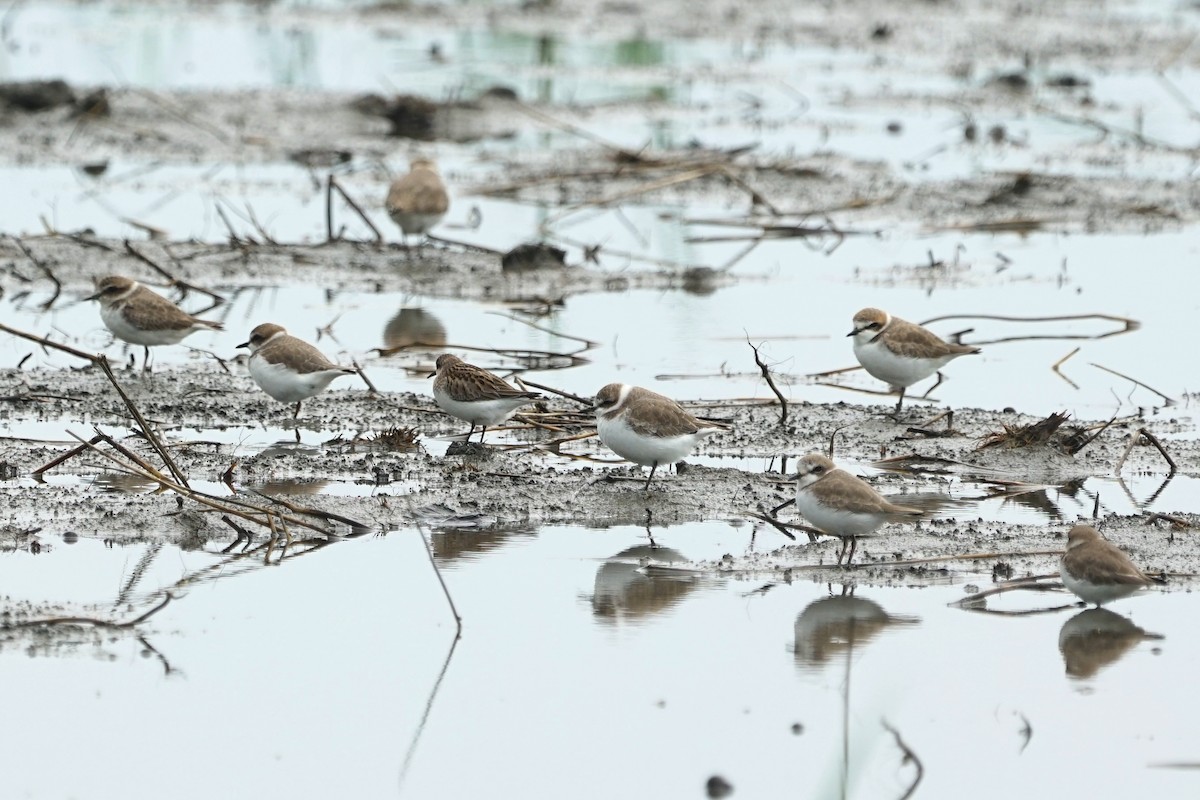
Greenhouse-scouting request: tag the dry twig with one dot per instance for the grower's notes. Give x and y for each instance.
(766, 373)
(331, 185)
(1138, 435)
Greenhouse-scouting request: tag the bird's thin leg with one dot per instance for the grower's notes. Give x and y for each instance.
(482, 431)
(853, 549)
(296, 413)
(941, 378)
(781, 506)
(842, 551)
(146, 359)
(653, 467)
(899, 402)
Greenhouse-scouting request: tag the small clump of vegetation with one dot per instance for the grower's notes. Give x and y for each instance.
(396, 438)
(1048, 432)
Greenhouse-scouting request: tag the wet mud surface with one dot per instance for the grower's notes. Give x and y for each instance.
(517, 482)
(1003, 70)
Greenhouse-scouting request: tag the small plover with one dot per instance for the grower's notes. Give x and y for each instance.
(417, 200)
(841, 504)
(475, 395)
(139, 316)
(900, 353)
(647, 428)
(288, 369)
(1096, 570)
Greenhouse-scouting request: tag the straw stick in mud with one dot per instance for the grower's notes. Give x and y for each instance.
(101, 361)
(1142, 434)
(766, 373)
(332, 185)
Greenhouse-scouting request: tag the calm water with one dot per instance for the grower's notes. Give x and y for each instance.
(799, 305)
(332, 672)
(574, 673)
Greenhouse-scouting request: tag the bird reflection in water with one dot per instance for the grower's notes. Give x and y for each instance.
(412, 327)
(1095, 638)
(293, 486)
(122, 482)
(623, 593)
(834, 625)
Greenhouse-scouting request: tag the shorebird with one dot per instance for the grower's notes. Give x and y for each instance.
(417, 200)
(289, 369)
(475, 395)
(647, 428)
(139, 316)
(901, 353)
(1096, 570)
(841, 504)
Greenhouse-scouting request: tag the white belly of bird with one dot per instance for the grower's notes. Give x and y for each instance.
(647, 450)
(115, 321)
(1099, 593)
(834, 521)
(896, 370)
(287, 386)
(480, 412)
(415, 223)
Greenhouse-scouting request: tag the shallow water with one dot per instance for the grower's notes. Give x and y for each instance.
(331, 671)
(800, 310)
(311, 676)
(798, 299)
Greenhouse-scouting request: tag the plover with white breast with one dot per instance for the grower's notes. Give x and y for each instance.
(841, 504)
(647, 428)
(901, 353)
(288, 369)
(138, 315)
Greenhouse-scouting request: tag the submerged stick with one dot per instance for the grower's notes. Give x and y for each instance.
(1055, 368)
(433, 693)
(98, 623)
(909, 755)
(1136, 382)
(1034, 583)
(1127, 324)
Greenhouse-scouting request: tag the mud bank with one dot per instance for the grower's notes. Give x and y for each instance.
(518, 482)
